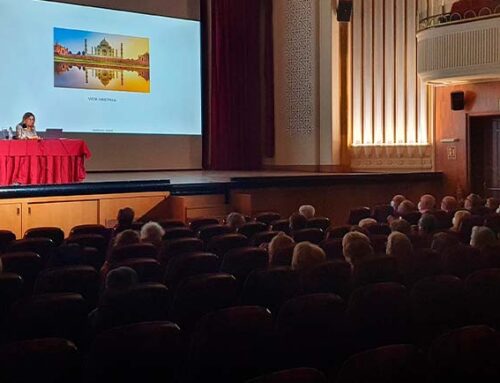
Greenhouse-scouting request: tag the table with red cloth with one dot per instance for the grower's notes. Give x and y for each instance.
(51, 161)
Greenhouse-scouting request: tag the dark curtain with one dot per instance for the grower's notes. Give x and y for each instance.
(239, 117)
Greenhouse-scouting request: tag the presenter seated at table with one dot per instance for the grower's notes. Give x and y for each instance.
(25, 130)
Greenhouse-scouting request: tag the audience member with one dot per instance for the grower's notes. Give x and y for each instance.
(482, 237)
(365, 223)
(125, 218)
(279, 242)
(355, 246)
(297, 222)
(396, 200)
(120, 279)
(398, 245)
(426, 204)
(126, 237)
(401, 225)
(406, 207)
(427, 224)
(152, 232)
(360, 229)
(492, 203)
(307, 211)
(458, 218)
(449, 204)
(235, 220)
(307, 255)
(472, 202)
(443, 241)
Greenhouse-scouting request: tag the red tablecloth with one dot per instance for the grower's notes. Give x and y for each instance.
(30, 162)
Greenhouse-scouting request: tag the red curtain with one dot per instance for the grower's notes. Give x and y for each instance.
(240, 114)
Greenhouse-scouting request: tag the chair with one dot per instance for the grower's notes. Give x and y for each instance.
(268, 217)
(97, 241)
(147, 269)
(313, 235)
(44, 247)
(469, 14)
(281, 225)
(379, 243)
(206, 233)
(490, 257)
(171, 223)
(53, 233)
(467, 354)
(242, 261)
(379, 229)
(6, 237)
(420, 240)
(263, 237)
(437, 306)
(11, 290)
(83, 280)
(221, 244)
(493, 222)
(462, 260)
(91, 229)
(271, 288)
(357, 214)
(333, 249)
(329, 277)
(189, 264)
(250, 229)
(60, 315)
(294, 375)
(140, 352)
(381, 212)
(198, 223)
(483, 293)
(376, 269)
(26, 264)
(412, 217)
(140, 303)
(175, 247)
(283, 256)
(48, 360)
(379, 314)
(201, 294)
(178, 232)
(389, 364)
(322, 223)
(466, 228)
(337, 232)
(134, 251)
(422, 264)
(231, 345)
(443, 219)
(311, 331)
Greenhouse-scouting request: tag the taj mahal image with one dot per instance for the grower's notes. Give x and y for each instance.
(104, 49)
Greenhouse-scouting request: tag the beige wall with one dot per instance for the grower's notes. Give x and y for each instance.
(148, 152)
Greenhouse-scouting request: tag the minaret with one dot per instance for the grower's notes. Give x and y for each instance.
(121, 50)
(85, 51)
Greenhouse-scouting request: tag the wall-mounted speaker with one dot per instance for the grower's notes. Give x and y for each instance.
(457, 100)
(344, 10)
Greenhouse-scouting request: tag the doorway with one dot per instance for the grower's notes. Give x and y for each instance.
(484, 155)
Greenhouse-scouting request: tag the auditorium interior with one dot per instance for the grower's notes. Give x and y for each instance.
(337, 219)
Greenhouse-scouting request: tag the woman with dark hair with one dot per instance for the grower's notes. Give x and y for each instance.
(25, 130)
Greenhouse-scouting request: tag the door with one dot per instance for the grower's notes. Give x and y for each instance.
(492, 160)
(10, 218)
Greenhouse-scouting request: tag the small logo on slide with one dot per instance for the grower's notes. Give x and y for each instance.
(102, 61)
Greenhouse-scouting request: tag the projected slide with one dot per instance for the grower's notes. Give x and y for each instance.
(92, 60)
(92, 70)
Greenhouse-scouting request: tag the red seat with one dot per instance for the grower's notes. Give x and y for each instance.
(281, 225)
(53, 233)
(91, 229)
(294, 375)
(198, 223)
(11, 290)
(322, 223)
(381, 212)
(242, 261)
(142, 352)
(468, 354)
(328, 277)
(250, 229)
(170, 223)
(83, 280)
(379, 315)
(357, 214)
(231, 345)
(175, 247)
(44, 247)
(96, 241)
(26, 264)
(136, 250)
(313, 235)
(376, 269)
(206, 233)
(189, 264)
(412, 217)
(221, 244)
(201, 294)
(333, 249)
(178, 232)
(283, 256)
(337, 232)
(268, 217)
(147, 269)
(483, 297)
(379, 229)
(389, 364)
(6, 237)
(39, 360)
(462, 261)
(311, 331)
(263, 237)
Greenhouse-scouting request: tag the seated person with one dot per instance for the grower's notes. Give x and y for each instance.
(426, 204)
(449, 204)
(307, 211)
(401, 225)
(396, 200)
(307, 255)
(427, 224)
(235, 220)
(365, 223)
(406, 207)
(126, 237)
(279, 242)
(25, 130)
(492, 203)
(297, 222)
(355, 247)
(482, 237)
(152, 232)
(125, 218)
(458, 218)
